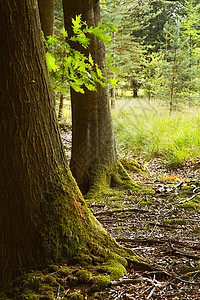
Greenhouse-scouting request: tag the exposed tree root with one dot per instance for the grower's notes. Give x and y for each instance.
(103, 176)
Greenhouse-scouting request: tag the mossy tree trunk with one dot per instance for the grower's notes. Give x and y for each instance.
(43, 216)
(92, 137)
(46, 10)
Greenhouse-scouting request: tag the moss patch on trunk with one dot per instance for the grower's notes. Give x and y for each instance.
(69, 232)
(133, 166)
(104, 176)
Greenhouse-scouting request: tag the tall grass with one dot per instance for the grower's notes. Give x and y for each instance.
(141, 127)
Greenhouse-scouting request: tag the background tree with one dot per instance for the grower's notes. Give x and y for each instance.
(178, 66)
(46, 9)
(126, 51)
(93, 146)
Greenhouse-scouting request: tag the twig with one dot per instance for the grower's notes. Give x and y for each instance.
(126, 281)
(150, 294)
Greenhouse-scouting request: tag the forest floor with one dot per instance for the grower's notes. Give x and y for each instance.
(163, 226)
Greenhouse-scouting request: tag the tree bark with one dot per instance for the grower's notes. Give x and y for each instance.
(46, 9)
(43, 216)
(92, 136)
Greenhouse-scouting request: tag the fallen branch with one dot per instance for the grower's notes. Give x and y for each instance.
(142, 241)
(182, 253)
(109, 212)
(157, 241)
(126, 281)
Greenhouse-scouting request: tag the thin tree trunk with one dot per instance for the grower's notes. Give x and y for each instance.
(61, 105)
(113, 96)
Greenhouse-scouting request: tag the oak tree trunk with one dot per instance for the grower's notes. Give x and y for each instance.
(92, 136)
(43, 216)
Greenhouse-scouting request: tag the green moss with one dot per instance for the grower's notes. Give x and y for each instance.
(52, 268)
(29, 295)
(72, 280)
(115, 266)
(115, 271)
(43, 289)
(97, 259)
(83, 276)
(146, 203)
(47, 296)
(113, 257)
(121, 178)
(52, 281)
(187, 192)
(82, 260)
(74, 296)
(99, 283)
(64, 272)
(132, 166)
(99, 178)
(103, 176)
(189, 205)
(62, 232)
(176, 221)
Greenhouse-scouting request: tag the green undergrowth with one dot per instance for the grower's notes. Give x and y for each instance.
(145, 128)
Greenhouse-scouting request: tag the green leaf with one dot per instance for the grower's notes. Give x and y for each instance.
(64, 32)
(113, 69)
(90, 59)
(76, 24)
(99, 72)
(90, 87)
(67, 61)
(113, 81)
(52, 40)
(51, 62)
(77, 88)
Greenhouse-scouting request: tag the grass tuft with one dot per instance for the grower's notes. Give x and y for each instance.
(150, 130)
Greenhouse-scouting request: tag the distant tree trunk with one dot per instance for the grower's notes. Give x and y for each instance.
(61, 105)
(46, 9)
(135, 93)
(113, 96)
(43, 217)
(135, 86)
(92, 136)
